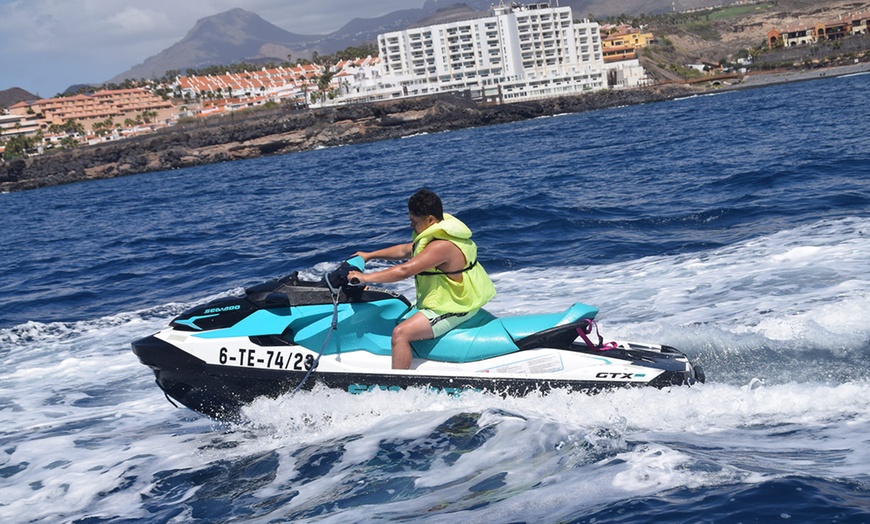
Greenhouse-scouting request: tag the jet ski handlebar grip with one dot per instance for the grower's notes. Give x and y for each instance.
(357, 262)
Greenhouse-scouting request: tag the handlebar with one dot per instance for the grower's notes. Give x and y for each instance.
(338, 277)
(359, 264)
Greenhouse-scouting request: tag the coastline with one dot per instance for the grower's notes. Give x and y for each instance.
(781, 77)
(283, 131)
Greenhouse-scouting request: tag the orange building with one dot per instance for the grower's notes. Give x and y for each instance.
(117, 104)
(813, 32)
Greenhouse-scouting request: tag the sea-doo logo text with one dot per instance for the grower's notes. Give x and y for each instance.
(625, 376)
(222, 309)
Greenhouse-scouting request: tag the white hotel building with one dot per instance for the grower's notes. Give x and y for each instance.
(517, 53)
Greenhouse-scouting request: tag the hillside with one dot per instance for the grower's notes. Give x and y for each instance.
(727, 33)
(225, 38)
(10, 97)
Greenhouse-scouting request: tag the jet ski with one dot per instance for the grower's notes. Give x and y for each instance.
(289, 334)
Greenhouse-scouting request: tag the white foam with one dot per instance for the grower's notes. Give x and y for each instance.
(615, 446)
(798, 285)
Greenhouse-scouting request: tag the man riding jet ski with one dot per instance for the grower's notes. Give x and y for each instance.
(451, 285)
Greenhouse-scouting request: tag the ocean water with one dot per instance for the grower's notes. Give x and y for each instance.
(735, 227)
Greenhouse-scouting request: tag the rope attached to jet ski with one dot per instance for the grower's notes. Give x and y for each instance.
(586, 329)
(335, 296)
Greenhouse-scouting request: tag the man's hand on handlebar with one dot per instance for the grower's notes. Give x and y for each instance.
(355, 278)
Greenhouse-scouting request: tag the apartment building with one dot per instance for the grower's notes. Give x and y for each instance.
(18, 124)
(622, 42)
(519, 52)
(859, 23)
(232, 91)
(819, 31)
(88, 109)
(276, 83)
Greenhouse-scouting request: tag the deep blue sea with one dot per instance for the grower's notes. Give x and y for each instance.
(733, 226)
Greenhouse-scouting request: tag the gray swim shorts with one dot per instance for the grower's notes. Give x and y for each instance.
(443, 322)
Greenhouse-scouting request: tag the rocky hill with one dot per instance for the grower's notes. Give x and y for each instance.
(728, 33)
(226, 38)
(10, 97)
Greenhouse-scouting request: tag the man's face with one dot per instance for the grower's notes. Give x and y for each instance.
(420, 223)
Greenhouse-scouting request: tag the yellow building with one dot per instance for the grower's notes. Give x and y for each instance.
(633, 38)
(617, 53)
(622, 42)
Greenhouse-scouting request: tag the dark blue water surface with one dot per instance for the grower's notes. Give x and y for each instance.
(571, 190)
(736, 225)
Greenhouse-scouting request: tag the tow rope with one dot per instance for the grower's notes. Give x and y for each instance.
(335, 296)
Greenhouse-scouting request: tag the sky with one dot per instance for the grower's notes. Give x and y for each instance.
(49, 45)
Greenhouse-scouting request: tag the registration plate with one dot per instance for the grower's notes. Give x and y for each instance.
(272, 358)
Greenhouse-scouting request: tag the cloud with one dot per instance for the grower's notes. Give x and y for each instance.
(77, 27)
(47, 45)
(136, 21)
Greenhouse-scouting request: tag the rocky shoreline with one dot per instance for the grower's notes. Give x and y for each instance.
(283, 131)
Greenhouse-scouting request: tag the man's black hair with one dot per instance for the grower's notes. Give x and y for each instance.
(424, 203)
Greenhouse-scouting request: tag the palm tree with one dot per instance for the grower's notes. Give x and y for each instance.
(104, 127)
(18, 147)
(144, 116)
(73, 127)
(69, 142)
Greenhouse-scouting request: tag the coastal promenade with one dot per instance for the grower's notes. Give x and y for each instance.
(283, 131)
(782, 77)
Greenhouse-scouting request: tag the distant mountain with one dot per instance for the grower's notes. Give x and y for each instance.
(10, 97)
(242, 36)
(361, 30)
(453, 13)
(225, 38)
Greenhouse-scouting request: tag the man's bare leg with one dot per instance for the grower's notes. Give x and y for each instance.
(415, 328)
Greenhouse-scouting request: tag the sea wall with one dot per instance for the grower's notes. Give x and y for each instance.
(287, 131)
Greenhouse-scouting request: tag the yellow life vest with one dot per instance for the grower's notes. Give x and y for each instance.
(435, 289)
